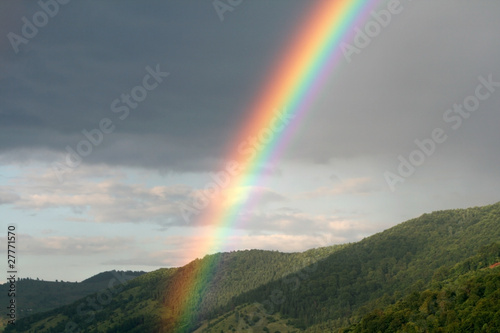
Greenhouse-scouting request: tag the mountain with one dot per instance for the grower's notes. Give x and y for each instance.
(146, 298)
(320, 290)
(36, 296)
(462, 299)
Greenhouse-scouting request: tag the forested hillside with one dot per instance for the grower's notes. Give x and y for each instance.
(465, 298)
(152, 300)
(36, 295)
(378, 270)
(321, 290)
(461, 298)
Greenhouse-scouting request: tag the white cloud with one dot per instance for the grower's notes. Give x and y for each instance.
(70, 246)
(94, 195)
(301, 223)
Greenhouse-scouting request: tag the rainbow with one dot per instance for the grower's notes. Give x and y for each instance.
(301, 70)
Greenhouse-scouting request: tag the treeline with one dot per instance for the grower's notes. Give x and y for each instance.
(36, 295)
(180, 298)
(467, 302)
(321, 290)
(379, 270)
(204, 288)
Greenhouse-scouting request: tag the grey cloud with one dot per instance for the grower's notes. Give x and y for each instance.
(395, 91)
(64, 79)
(7, 197)
(83, 246)
(398, 87)
(300, 223)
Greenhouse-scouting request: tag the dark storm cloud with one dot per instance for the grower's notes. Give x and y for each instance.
(395, 91)
(65, 78)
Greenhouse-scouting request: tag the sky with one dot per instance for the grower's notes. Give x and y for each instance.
(96, 179)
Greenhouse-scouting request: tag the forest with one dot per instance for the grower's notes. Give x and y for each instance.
(433, 273)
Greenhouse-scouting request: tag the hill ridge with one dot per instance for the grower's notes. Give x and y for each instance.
(334, 286)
